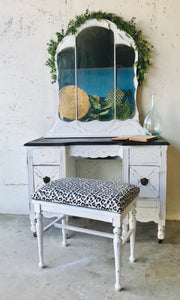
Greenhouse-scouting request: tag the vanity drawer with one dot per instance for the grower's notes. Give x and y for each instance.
(147, 179)
(48, 155)
(145, 156)
(45, 174)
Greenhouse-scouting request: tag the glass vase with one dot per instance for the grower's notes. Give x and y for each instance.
(152, 123)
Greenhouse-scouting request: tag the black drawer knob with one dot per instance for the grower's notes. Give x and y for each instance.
(46, 179)
(144, 181)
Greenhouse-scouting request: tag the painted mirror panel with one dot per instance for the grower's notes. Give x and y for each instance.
(125, 89)
(66, 83)
(95, 73)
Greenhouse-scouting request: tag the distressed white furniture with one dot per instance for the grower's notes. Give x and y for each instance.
(50, 158)
(93, 199)
(121, 39)
(143, 164)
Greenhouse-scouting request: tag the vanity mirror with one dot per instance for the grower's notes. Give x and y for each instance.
(98, 65)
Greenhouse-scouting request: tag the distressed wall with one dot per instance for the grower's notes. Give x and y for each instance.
(28, 100)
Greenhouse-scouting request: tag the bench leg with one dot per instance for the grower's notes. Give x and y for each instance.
(63, 222)
(117, 256)
(132, 226)
(39, 227)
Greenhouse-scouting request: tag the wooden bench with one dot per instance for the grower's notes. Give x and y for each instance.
(105, 201)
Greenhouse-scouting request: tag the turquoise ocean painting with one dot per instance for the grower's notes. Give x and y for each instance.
(98, 83)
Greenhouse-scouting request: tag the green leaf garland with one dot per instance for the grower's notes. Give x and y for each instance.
(128, 26)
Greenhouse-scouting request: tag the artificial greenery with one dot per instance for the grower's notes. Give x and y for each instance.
(128, 26)
(101, 110)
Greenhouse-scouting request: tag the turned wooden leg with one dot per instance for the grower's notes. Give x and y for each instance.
(117, 256)
(132, 226)
(39, 227)
(63, 222)
(33, 224)
(161, 233)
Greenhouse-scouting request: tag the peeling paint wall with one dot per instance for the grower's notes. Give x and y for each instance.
(28, 101)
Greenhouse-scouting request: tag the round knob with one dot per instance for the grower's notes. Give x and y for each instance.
(144, 181)
(46, 179)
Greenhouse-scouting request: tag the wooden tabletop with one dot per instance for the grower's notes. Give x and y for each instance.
(91, 141)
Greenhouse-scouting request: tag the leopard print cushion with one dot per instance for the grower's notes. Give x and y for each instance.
(91, 193)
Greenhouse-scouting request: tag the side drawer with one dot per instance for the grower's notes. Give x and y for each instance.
(44, 174)
(145, 156)
(147, 179)
(48, 155)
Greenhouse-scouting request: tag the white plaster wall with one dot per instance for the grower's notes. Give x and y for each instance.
(28, 100)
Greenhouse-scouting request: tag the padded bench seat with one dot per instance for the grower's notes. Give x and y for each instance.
(106, 201)
(98, 194)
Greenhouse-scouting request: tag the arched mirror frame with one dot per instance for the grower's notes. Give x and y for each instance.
(97, 128)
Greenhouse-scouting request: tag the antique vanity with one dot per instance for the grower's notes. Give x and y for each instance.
(97, 84)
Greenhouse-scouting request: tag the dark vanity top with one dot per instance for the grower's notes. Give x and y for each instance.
(91, 140)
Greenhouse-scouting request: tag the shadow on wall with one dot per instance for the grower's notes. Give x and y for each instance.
(173, 183)
(139, 101)
(173, 169)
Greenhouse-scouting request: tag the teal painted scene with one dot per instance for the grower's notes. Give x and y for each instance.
(99, 86)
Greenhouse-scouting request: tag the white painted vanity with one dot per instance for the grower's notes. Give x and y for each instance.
(90, 136)
(142, 164)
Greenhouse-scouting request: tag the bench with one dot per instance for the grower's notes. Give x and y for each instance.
(100, 200)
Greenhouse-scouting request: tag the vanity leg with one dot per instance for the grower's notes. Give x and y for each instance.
(33, 224)
(67, 231)
(161, 233)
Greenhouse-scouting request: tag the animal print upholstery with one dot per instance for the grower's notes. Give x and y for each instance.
(91, 193)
